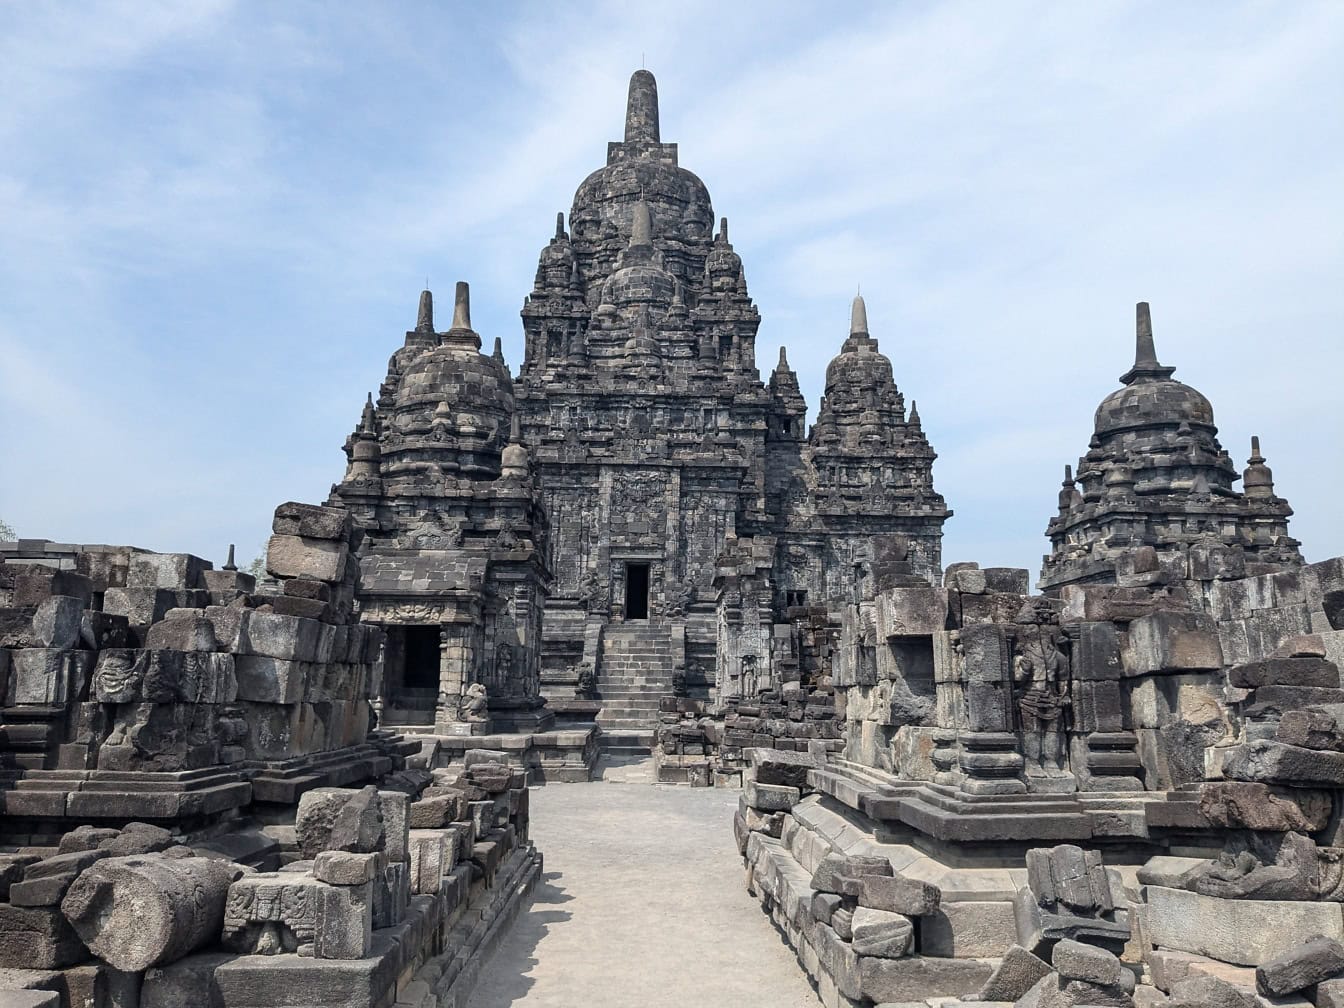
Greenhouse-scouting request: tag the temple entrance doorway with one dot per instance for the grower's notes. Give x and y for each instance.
(636, 591)
(421, 670)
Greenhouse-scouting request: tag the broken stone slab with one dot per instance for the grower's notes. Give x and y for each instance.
(347, 868)
(128, 675)
(290, 556)
(771, 797)
(899, 894)
(782, 767)
(182, 630)
(279, 636)
(319, 808)
(1173, 641)
(295, 519)
(276, 912)
(1316, 959)
(141, 607)
(916, 978)
(431, 859)
(358, 824)
(1259, 806)
(29, 999)
(58, 621)
(1320, 727)
(842, 875)
(972, 929)
(38, 938)
(1206, 991)
(147, 910)
(166, 570)
(1284, 672)
(186, 982)
(264, 679)
(1075, 961)
(1239, 931)
(880, 933)
(1278, 763)
(1017, 972)
(46, 676)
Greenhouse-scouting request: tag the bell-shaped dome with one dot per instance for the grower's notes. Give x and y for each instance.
(453, 403)
(1150, 396)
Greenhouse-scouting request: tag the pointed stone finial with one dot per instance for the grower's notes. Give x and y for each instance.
(914, 413)
(560, 225)
(462, 307)
(1145, 355)
(1144, 351)
(1068, 475)
(229, 565)
(516, 430)
(1258, 478)
(424, 321)
(723, 230)
(366, 418)
(641, 109)
(498, 352)
(1255, 450)
(783, 358)
(858, 317)
(641, 227)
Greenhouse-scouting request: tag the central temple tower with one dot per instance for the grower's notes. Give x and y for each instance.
(686, 512)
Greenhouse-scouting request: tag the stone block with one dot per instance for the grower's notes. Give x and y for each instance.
(1311, 962)
(344, 924)
(292, 982)
(99, 630)
(140, 606)
(166, 570)
(771, 797)
(1017, 972)
(1277, 763)
(182, 630)
(911, 612)
(29, 999)
(431, 859)
(230, 625)
(1257, 806)
(969, 930)
(46, 675)
(278, 636)
(187, 983)
(918, 978)
(1284, 672)
(37, 583)
(782, 767)
(880, 933)
(295, 519)
(966, 578)
(1243, 932)
(348, 868)
(1317, 728)
(37, 938)
(1076, 961)
(58, 621)
(1096, 653)
(290, 556)
(126, 675)
(899, 894)
(1170, 641)
(1008, 580)
(271, 680)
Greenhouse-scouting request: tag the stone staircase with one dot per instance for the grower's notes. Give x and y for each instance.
(634, 673)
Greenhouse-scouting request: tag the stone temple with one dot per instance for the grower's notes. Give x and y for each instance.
(317, 788)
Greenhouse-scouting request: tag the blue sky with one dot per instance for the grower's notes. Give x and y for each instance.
(216, 219)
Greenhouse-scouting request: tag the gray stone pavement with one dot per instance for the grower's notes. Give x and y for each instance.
(642, 903)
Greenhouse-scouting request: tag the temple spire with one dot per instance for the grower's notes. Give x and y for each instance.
(424, 321)
(641, 109)
(462, 307)
(498, 352)
(229, 565)
(858, 317)
(783, 358)
(723, 230)
(1145, 354)
(560, 225)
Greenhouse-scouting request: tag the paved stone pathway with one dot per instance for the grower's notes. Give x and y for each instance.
(642, 903)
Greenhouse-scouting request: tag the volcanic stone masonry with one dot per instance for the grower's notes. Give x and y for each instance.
(313, 790)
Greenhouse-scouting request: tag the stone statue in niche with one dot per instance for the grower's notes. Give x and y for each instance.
(751, 684)
(475, 705)
(504, 666)
(1041, 674)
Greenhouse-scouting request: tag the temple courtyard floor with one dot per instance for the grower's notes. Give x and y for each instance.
(643, 902)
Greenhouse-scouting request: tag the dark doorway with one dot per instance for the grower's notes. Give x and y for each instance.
(422, 658)
(636, 591)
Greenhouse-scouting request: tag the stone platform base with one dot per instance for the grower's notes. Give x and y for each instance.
(567, 755)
